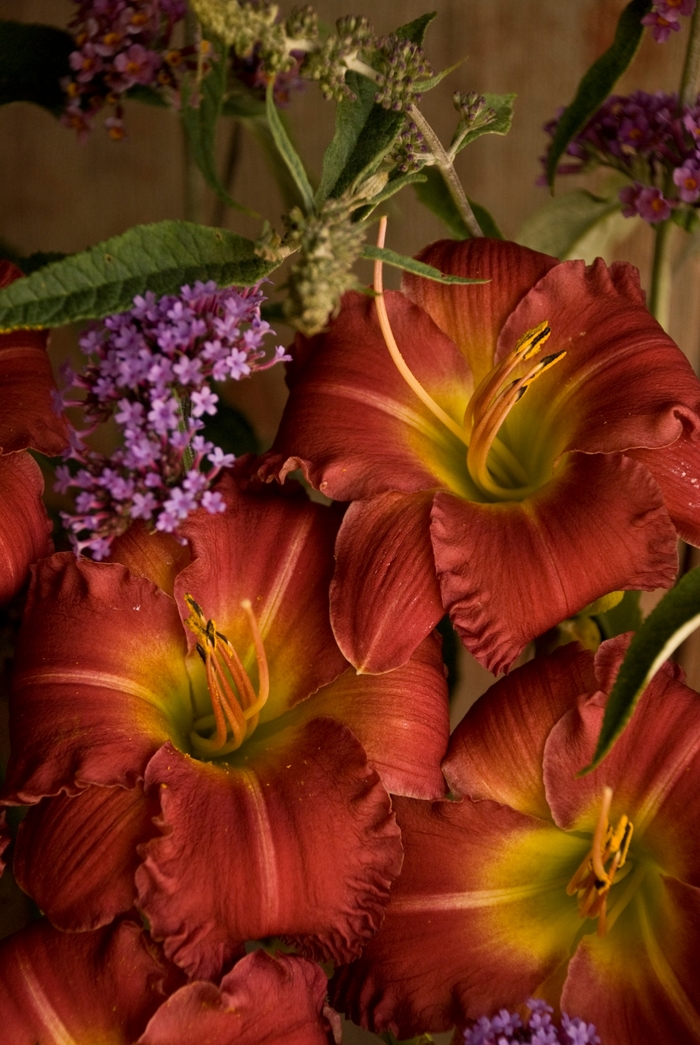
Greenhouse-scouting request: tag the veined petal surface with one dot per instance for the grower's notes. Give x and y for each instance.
(24, 525)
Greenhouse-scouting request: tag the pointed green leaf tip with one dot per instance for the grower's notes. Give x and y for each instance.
(676, 616)
(419, 268)
(599, 81)
(104, 279)
(288, 152)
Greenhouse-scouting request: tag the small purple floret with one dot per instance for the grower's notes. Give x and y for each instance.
(507, 1027)
(150, 370)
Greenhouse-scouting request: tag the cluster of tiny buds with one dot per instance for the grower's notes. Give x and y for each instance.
(121, 44)
(651, 139)
(507, 1027)
(663, 19)
(329, 61)
(402, 65)
(473, 110)
(150, 369)
(410, 151)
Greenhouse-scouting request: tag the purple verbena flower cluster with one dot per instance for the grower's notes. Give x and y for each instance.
(507, 1027)
(663, 19)
(651, 139)
(150, 369)
(121, 43)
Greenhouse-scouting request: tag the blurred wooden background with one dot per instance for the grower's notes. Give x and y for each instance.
(60, 195)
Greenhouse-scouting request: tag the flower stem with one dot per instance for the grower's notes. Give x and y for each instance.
(661, 275)
(446, 167)
(691, 68)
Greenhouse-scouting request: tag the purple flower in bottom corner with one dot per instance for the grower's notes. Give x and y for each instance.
(507, 1027)
(150, 370)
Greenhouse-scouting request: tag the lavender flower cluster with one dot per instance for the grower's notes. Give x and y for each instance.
(664, 15)
(120, 43)
(150, 370)
(651, 139)
(507, 1027)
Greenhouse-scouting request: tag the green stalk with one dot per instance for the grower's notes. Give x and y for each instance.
(193, 183)
(690, 80)
(661, 275)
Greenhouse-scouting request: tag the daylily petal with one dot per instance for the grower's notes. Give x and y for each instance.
(496, 750)
(156, 556)
(108, 687)
(76, 857)
(510, 571)
(384, 596)
(653, 769)
(478, 918)
(63, 988)
(27, 418)
(5, 838)
(472, 316)
(262, 1001)
(642, 983)
(24, 525)
(275, 549)
(597, 316)
(401, 719)
(301, 836)
(353, 423)
(676, 469)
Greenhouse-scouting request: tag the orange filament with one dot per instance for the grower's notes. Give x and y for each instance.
(492, 465)
(235, 705)
(593, 880)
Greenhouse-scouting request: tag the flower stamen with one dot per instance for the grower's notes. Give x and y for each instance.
(235, 705)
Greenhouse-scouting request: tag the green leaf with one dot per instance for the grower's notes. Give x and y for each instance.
(563, 226)
(502, 104)
(200, 121)
(666, 627)
(288, 152)
(599, 81)
(260, 130)
(231, 430)
(435, 195)
(31, 262)
(105, 278)
(419, 268)
(415, 30)
(626, 616)
(33, 60)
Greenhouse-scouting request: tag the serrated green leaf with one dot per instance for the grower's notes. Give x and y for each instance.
(599, 81)
(561, 226)
(104, 279)
(288, 152)
(434, 194)
(415, 30)
(502, 105)
(419, 268)
(666, 627)
(200, 121)
(626, 616)
(33, 60)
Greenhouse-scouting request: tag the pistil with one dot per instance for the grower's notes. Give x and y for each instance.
(235, 705)
(602, 865)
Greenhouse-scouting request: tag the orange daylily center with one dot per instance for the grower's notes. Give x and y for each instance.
(235, 705)
(602, 865)
(492, 465)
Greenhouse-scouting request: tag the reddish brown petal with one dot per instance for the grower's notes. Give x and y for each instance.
(642, 982)
(297, 839)
(401, 719)
(496, 751)
(510, 571)
(623, 381)
(264, 1000)
(676, 469)
(478, 918)
(384, 597)
(472, 316)
(28, 417)
(156, 556)
(100, 681)
(76, 857)
(354, 424)
(5, 839)
(653, 769)
(62, 988)
(24, 526)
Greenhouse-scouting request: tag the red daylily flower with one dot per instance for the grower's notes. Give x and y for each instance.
(262, 1001)
(103, 986)
(27, 419)
(268, 777)
(585, 892)
(540, 449)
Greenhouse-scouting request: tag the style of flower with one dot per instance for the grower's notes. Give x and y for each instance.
(150, 369)
(651, 139)
(525, 446)
(27, 420)
(581, 891)
(212, 696)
